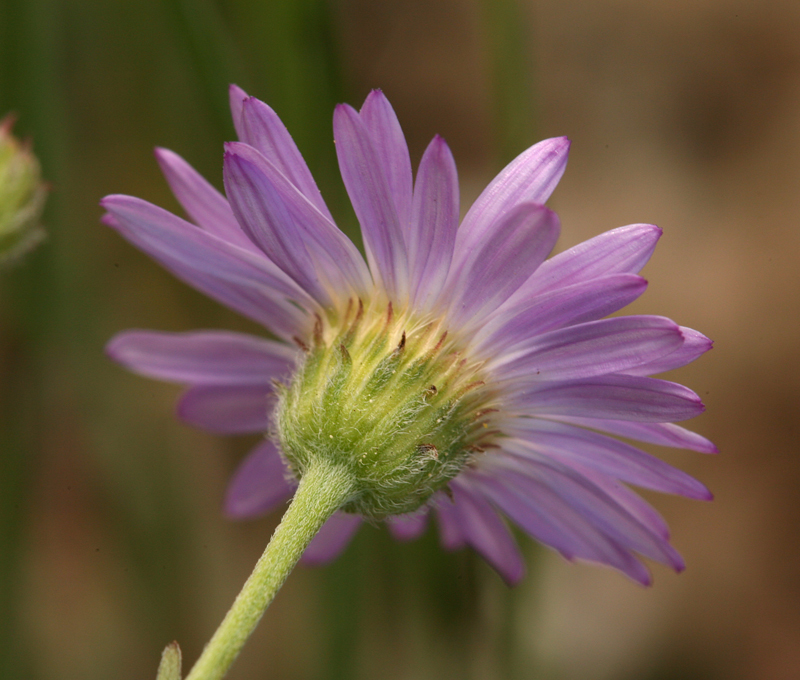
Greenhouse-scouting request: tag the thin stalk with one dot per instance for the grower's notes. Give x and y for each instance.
(323, 489)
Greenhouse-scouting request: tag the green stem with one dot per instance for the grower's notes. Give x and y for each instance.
(322, 491)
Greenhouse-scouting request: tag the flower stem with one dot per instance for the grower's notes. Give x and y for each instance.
(322, 491)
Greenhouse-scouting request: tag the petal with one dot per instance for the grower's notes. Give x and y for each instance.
(450, 533)
(620, 251)
(269, 222)
(226, 409)
(573, 445)
(561, 307)
(594, 348)
(694, 345)
(280, 315)
(486, 532)
(260, 483)
(483, 278)
(295, 235)
(434, 221)
(331, 539)
(410, 526)
(237, 97)
(553, 521)
(263, 130)
(203, 357)
(530, 178)
(597, 507)
(371, 195)
(201, 201)
(634, 504)
(230, 274)
(618, 397)
(663, 434)
(390, 146)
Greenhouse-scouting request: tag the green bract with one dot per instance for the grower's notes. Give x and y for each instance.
(22, 195)
(393, 400)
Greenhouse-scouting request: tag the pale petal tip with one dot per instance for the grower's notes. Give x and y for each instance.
(232, 507)
(115, 348)
(237, 92)
(656, 231)
(109, 221)
(513, 577)
(165, 156)
(237, 508)
(643, 578)
(375, 93)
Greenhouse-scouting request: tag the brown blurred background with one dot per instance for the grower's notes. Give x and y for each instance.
(684, 114)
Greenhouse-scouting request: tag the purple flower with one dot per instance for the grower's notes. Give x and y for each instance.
(557, 381)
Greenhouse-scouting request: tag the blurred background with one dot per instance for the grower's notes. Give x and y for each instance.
(112, 543)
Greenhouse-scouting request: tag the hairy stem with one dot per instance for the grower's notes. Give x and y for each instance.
(323, 489)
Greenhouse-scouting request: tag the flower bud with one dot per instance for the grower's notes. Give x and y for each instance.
(22, 195)
(393, 400)
(170, 666)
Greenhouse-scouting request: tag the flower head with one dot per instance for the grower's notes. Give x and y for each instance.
(457, 371)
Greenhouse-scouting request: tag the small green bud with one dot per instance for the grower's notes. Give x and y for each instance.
(170, 666)
(22, 195)
(392, 399)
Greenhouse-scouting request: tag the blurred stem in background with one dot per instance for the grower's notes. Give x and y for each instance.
(200, 30)
(510, 51)
(29, 35)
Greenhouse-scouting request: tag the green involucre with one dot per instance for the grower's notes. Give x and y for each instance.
(394, 401)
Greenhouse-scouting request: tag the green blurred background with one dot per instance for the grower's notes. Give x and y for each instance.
(112, 543)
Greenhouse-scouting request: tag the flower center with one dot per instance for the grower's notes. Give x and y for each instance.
(394, 399)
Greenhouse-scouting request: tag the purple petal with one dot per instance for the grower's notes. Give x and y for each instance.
(617, 397)
(486, 532)
(483, 278)
(201, 201)
(594, 348)
(663, 434)
(237, 97)
(410, 526)
(386, 135)
(573, 445)
(204, 260)
(371, 195)
(259, 484)
(434, 221)
(226, 409)
(450, 533)
(634, 504)
(558, 308)
(530, 178)
(331, 539)
(278, 314)
(289, 229)
(202, 357)
(555, 522)
(592, 503)
(624, 250)
(268, 221)
(695, 344)
(264, 130)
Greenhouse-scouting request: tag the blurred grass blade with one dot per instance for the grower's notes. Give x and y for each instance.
(508, 37)
(202, 31)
